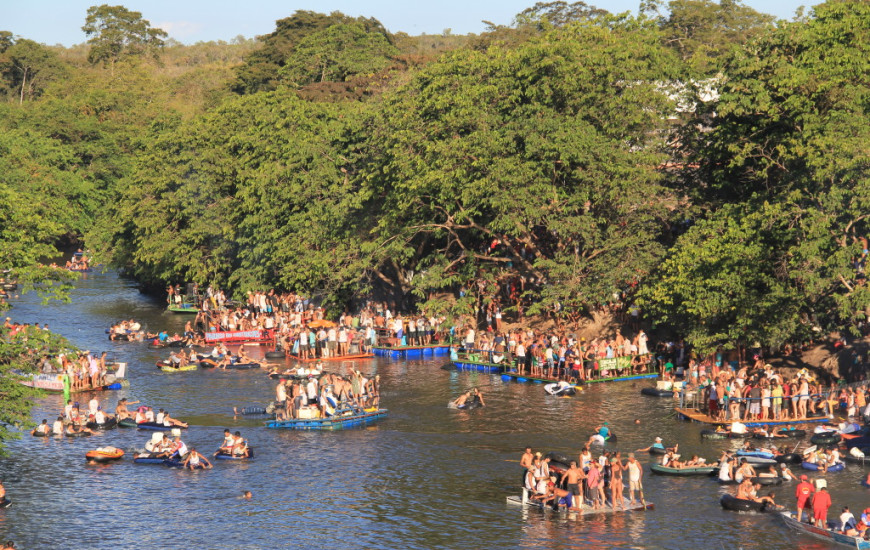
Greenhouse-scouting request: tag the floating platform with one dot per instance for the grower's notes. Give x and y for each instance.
(482, 366)
(337, 422)
(527, 378)
(409, 352)
(352, 357)
(697, 416)
(586, 510)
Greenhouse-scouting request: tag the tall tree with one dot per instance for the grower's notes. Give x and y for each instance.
(786, 139)
(260, 70)
(116, 33)
(27, 67)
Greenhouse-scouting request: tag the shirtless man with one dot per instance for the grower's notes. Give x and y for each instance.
(745, 471)
(572, 478)
(527, 459)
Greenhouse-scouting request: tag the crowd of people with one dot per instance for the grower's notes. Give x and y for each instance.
(325, 395)
(586, 483)
(760, 392)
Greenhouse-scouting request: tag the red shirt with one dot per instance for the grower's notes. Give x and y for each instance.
(822, 501)
(804, 490)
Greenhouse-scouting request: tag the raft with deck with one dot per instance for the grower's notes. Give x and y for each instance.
(339, 421)
(411, 352)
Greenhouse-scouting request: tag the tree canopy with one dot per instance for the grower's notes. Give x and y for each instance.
(116, 33)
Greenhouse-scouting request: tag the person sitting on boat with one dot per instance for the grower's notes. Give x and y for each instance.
(75, 429)
(228, 443)
(745, 471)
(169, 421)
(42, 429)
(178, 448)
(726, 468)
(100, 417)
(530, 484)
(57, 427)
(121, 411)
(240, 448)
(460, 401)
(658, 446)
(601, 435)
(195, 460)
(671, 460)
(786, 473)
(745, 490)
(847, 520)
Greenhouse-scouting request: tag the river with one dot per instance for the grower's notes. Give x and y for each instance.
(425, 477)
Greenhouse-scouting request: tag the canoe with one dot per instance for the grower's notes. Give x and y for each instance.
(225, 456)
(783, 434)
(815, 467)
(104, 456)
(829, 535)
(695, 471)
(730, 502)
(825, 438)
(655, 392)
(109, 424)
(586, 511)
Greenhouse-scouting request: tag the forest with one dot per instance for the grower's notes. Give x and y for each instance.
(701, 160)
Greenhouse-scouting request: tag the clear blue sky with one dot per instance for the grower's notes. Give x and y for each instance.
(189, 21)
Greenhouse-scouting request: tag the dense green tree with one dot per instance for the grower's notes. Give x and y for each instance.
(703, 31)
(260, 70)
(336, 53)
(538, 161)
(786, 138)
(26, 67)
(116, 33)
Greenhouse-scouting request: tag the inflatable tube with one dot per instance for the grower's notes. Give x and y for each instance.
(767, 481)
(253, 410)
(226, 456)
(789, 458)
(713, 434)
(657, 451)
(156, 427)
(76, 434)
(275, 355)
(242, 366)
(161, 345)
(815, 467)
(109, 424)
(176, 463)
(694, 471)
(552, 389)
(730, 502)
(655, 392)
(127, 423)
(34, 433)
(825, 438)
(754, 454)
(147, 458)
(558, 457)
(759, 461)
(784, 434)
(104, 456)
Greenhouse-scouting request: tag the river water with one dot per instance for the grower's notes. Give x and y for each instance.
(425, 477)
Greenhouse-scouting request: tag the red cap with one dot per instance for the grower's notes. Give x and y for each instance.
(804, 477)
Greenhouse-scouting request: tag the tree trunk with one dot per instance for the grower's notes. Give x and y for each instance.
(23, 82)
